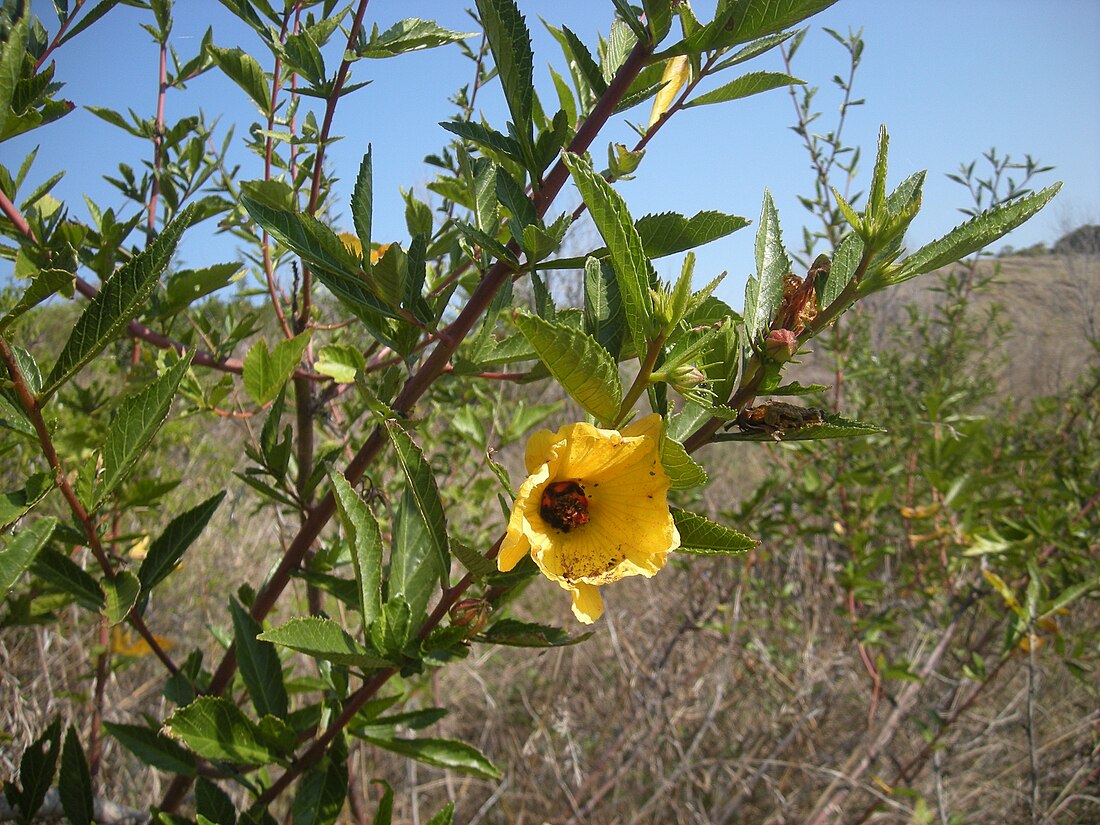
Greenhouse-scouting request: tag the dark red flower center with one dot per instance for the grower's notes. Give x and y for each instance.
(564, 505)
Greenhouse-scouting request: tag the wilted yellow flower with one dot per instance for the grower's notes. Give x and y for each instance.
(593, 509)
(677, 73)
(353, 245)
(124, 643)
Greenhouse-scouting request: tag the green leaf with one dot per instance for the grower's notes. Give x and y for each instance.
(17, 503)
(215, 728)
(339, 362)
(973, 235)
(845, 262)
(756, 18)
(584, 369)
(17, 554)
(514, 633)
(472, 560)
(668, 233)
(122, 297)
(362, 204)
(265, 373)
(74, 784)
(87, 20)
(122, 594)
(633, 272)
(321, 791)
(259, 664)
(323, 639)
(486, 138)
(833, 426)
(153, 748)
(244, 70)
(764, 293)
(440, 753)
(384, 813)
(795, 388)
(167, 549)
(510, 42)
(701, 536)
(444, 817)
(189, 285)
(212, 805)
(411, 34)
(44, 284)
(12, 52)
(744, 86)
(603, 308)
(134, 424)
(682, 470)
(36, 770)
(62, 573)
(365, 541)
(411, 567)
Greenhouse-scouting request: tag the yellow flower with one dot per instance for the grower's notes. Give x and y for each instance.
(353, 245)
(593, 509)
(677, 73)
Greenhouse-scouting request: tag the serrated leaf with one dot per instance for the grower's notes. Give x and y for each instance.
(365, 541)
(62, 573)
(12, 51)
(92, 16)
(681, 468)
(36, 770)
(974, 234)
(339, 362)
(795, 388)
(844, 265)
(472, 560)
(215, 728)
(44, 284)
(444, 817)
(834, 426)
(584, 369)
(362, 204)
(632, 269)
(74, 784)
(440, 753)
(189, 285)
(320, 793)
(169, 546)
(18, 553)
(411, 34)
(323, 639)
(603, 308)
(212, 805)
(259, 664)
(122, 297)
(485, 137)
(745, 86)
(134, 425)
(153, 748)
(265, 372)
(668, 232)
(244, 70)
(420, 553)
(514, 633)
(764, 293)
(701, 536)
(510, 42)
(121, 595)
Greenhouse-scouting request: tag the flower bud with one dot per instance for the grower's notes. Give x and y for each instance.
(781, 345)
(472, 614)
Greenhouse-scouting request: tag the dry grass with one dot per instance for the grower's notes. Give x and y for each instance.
(721, 692)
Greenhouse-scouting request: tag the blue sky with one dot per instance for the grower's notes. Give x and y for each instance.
(949, 80)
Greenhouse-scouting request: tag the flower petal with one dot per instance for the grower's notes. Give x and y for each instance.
(540, 447)
(649, 425)
(587, 603)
